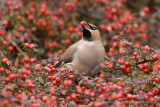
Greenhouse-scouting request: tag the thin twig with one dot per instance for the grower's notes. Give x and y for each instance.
(141, 62)
(17, 47)
(89, 15)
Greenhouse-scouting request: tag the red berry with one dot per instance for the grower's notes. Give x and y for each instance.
(19, 96)
(27, 45)
(8, 73)
(7, 79)
(86, 92)
(146, 70)
(55, 62)
(8, 62)
(123, 67)
(127, 63)
(57, 79)
(115, 37)
(140, 67)
(71, 77)
(146, 48)
(1, 32)
(12, 77)
(146, 9)
(135, 53)
(5, 22)
(63, 92)
(145, 97)
(1, 69)
(156, 80)
(32, 60)
(49, 77)
(67, 41)
(49, 65)
(31, 46)
(44, 98)
(132, 58)
(85, 83)
(155, 57)
(20, 28)
(145, 65)
(47, 83)
(150, 93)
(54, 77)
(60, 52)
(98, 85)
(127, 70)
(102, 26)
(92, 94)
(53, 69)
(79, 34)
(73, 96)
(30, 17)
(4, 60)
(71, 70)
(16, 7)
(82, 23)
(97, 1)
(26, 59)
(10, 48)
(54, 82)
(35, 68)
(19, 17)
(62, 70)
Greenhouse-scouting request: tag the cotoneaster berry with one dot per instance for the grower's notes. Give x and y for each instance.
(135, 53)
(155, 57)
(4, 60)
(146, 48)
(123, 67)
(82, 23)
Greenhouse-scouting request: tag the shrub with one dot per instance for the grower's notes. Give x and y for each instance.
(34, 33)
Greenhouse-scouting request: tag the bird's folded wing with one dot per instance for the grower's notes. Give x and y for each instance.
(68, 54)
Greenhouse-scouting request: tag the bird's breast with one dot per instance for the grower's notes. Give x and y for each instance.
(87, 53)
(86, 44)
(88, 57)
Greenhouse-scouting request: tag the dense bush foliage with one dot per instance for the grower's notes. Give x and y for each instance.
(34, 33)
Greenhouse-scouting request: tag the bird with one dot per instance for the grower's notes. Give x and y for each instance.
(85, 55)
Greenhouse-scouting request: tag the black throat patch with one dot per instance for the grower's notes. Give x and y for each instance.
(87, 34)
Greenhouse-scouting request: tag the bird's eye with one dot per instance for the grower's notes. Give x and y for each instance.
(94, 28)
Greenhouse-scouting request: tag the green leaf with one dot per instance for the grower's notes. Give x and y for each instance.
(150, 68)
(134, 73)
(103, 83)
(144, 55)
(41, 81)
(158, 76)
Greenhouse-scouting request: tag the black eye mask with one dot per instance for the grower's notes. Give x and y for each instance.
(92, 28)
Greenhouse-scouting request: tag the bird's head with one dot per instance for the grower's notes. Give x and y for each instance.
(90, 32)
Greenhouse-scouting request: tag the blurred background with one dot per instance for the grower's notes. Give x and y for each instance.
(35, 32)
(53, 25)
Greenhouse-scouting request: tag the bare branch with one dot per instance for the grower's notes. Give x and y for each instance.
(141, 62)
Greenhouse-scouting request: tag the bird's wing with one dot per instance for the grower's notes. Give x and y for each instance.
(68, 54)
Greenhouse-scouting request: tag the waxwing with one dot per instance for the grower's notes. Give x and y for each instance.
(85, 55)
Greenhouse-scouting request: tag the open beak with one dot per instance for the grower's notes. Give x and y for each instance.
(87, 31)
(87, 26)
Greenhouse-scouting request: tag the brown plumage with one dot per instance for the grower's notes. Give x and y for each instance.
(86, 54)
